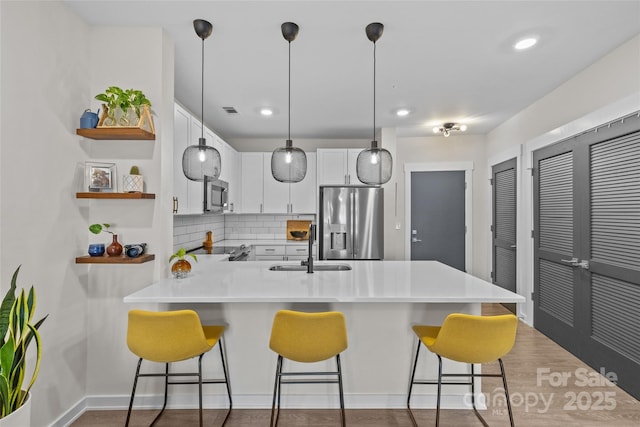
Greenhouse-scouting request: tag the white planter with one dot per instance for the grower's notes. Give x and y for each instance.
(132, 184)
(19, 418)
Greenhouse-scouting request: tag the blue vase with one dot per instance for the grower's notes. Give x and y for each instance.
(96, 249)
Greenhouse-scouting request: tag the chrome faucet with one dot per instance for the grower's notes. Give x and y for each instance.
(312, 236)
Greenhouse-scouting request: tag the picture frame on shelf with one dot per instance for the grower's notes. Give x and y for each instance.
(101, 177)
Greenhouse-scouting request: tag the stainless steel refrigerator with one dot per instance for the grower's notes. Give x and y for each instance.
(351, 222)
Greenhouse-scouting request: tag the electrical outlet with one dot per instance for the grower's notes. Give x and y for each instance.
(398, 226)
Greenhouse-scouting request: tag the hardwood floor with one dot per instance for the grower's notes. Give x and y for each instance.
(535, 368)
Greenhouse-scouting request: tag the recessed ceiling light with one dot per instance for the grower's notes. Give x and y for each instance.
(266, 111)
(525, 43)
(402, 112)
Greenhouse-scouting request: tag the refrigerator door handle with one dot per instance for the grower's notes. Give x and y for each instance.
(354, 226)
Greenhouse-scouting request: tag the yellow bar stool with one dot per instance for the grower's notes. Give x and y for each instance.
(173, 336)
(307, 338)
(468, 339)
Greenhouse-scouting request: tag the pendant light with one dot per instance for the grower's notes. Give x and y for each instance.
(200, 162)
(374, 165)
(288, 163)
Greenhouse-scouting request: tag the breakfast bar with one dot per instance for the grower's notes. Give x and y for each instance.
(380, 301)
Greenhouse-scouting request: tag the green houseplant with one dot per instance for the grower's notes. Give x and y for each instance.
(17, 332)
(181, 268)
(122, 107)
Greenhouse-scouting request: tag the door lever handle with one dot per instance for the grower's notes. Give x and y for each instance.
(415, 240)
(572, 261)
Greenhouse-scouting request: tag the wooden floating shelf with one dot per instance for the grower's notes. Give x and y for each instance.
(119, 132)
(97, 195)
(86, 259)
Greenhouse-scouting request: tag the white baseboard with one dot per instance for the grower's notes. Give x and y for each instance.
(263, 401)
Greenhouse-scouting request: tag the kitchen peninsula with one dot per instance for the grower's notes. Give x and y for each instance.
(380, 300)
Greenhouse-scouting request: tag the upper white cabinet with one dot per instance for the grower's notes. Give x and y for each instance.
(337, 166)
(261, 193)
(188, 195)
(231, 174)
(251, 182)
(230, 166)
(302, 196)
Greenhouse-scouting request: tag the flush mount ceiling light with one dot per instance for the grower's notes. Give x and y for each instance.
(402, 112)
(200, 162)
(374, 165)
(288, 163)
(525, 43)
(447, 128)
(266, 111)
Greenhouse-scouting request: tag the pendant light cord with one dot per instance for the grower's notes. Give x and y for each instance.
(289, 124)
(374, 91)
(202, 98)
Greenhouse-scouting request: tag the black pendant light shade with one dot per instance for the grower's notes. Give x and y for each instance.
(200, 161)
(374, 165)
(288, 163)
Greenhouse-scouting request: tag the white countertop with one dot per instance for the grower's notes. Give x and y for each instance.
(368, 281)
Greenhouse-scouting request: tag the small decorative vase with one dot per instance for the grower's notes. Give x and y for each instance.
(181, 268)
(132, 183)
(96, 249)
(115, 248)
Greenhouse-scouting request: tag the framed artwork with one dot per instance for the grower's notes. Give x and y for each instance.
(101, 177)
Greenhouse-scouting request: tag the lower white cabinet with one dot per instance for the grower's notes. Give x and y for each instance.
(282, 252)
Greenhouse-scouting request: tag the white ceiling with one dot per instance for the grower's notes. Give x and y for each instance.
(444, 60)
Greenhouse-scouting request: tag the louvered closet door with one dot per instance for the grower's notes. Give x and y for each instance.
(591, 306)
(504, 185)
(555, 280)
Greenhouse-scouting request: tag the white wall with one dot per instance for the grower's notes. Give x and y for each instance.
(604, 91)
(141, 58)
(44, 90)
(438, 149)
(52, 66)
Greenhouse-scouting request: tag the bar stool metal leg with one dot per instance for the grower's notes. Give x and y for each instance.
(439, 390)
(342, 416)
(413, 374)
(226, 380)
(506, 392)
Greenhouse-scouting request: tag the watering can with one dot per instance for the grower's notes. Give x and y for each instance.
(88, 119)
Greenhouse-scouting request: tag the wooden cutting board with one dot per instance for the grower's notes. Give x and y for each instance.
(297, 225)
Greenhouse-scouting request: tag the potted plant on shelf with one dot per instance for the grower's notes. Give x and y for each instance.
(125, 108)
(17, 332)
(115, 248)
(133, 183)
(181, 268)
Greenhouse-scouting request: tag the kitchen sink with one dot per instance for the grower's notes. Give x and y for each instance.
(316, 267)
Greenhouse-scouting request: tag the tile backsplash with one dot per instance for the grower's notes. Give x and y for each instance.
(189, 230)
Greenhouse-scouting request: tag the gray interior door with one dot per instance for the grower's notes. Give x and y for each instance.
(438, 217)
(503, 228)
(587, 248)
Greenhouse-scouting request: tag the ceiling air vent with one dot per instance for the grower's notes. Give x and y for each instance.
(230, 110)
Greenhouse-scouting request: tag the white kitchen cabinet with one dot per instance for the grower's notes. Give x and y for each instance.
(229, 168)
(251, 182)
(188, 195)
(231, 164)
(302, 195)
(282, 252)
(261, 193)
(337, 166)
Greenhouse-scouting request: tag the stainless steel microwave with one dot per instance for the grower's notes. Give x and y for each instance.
(216, 195)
